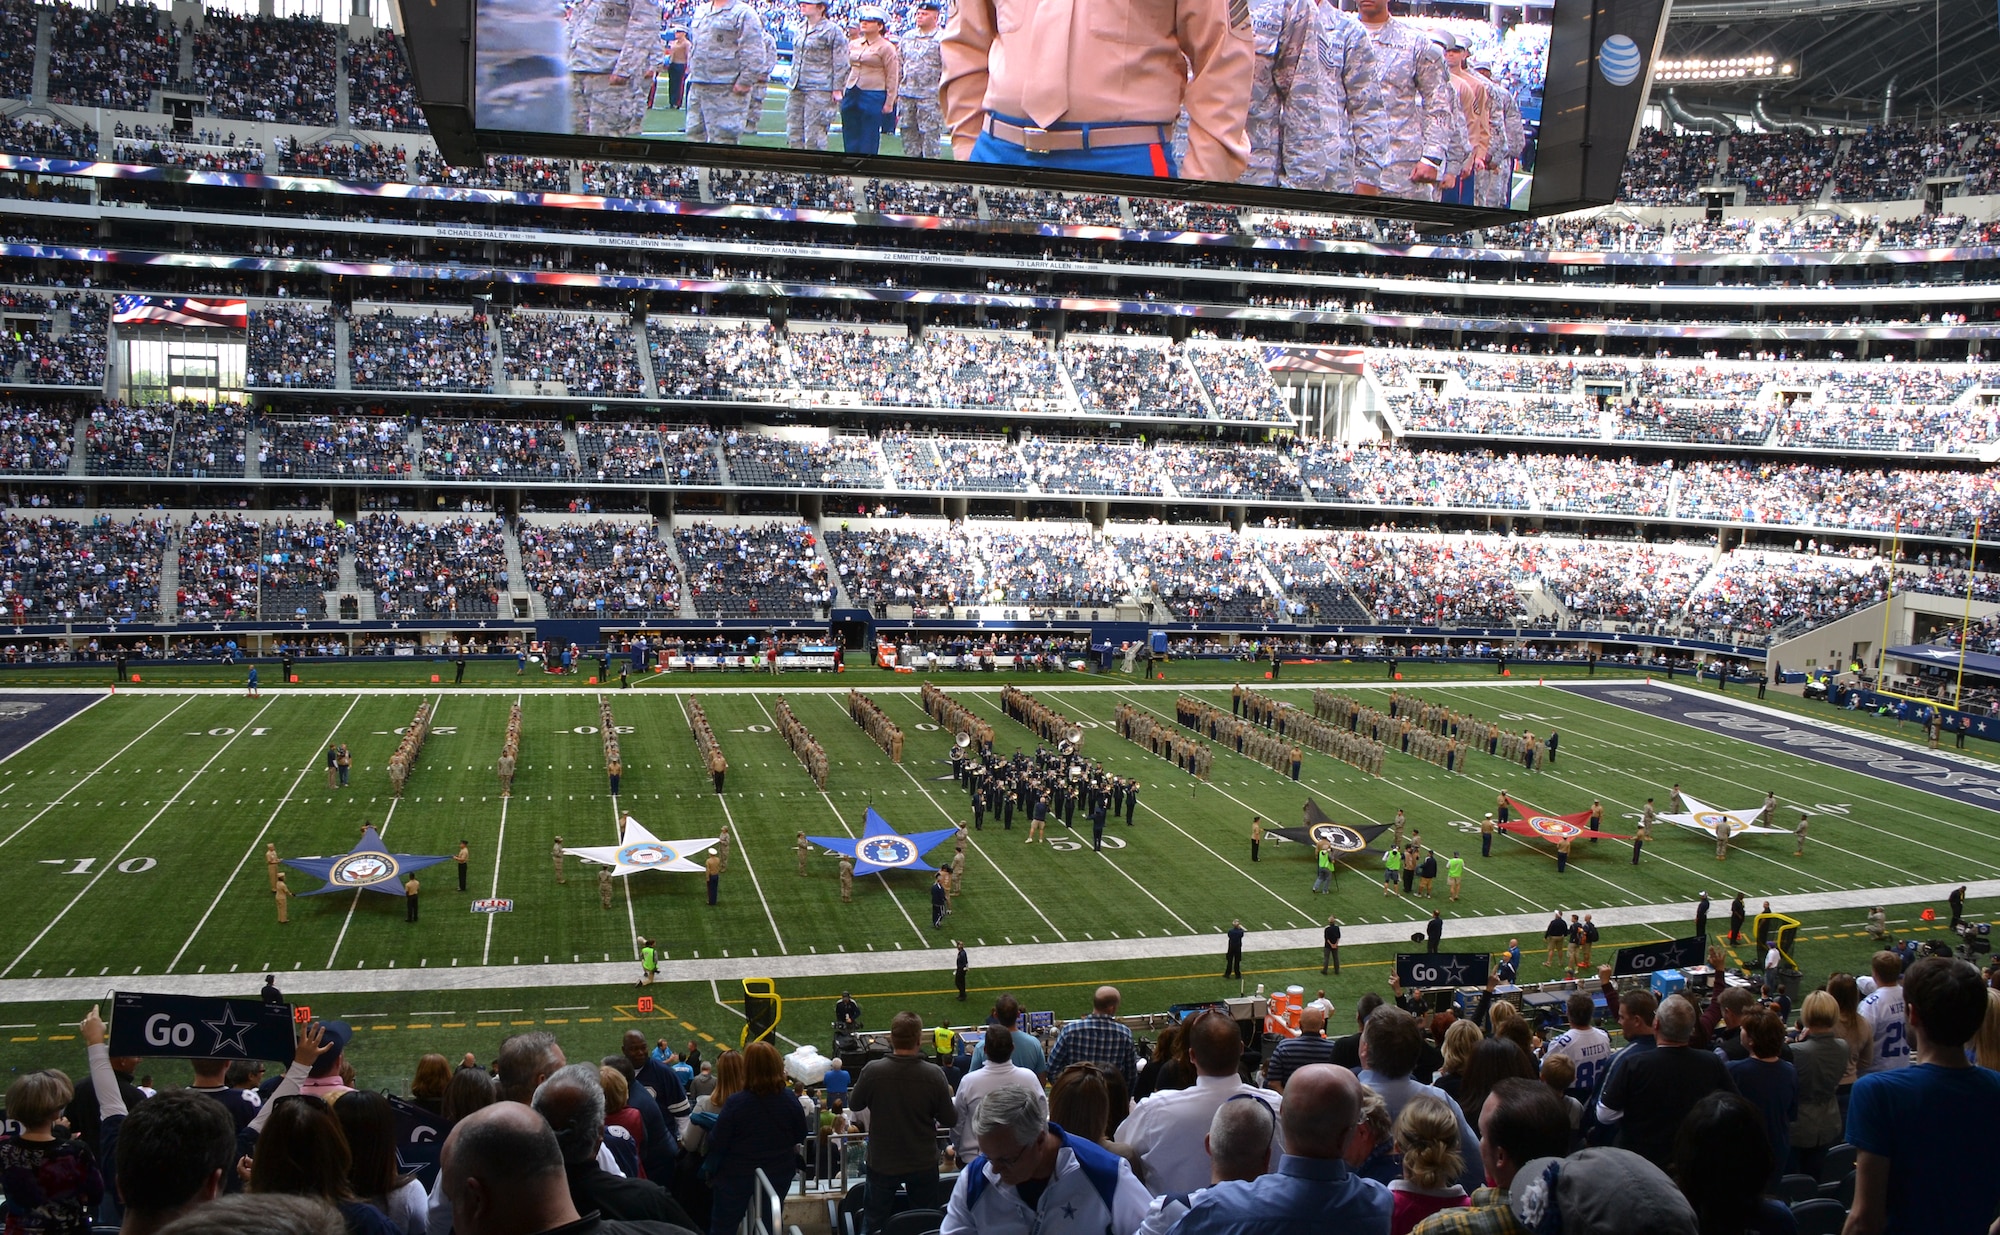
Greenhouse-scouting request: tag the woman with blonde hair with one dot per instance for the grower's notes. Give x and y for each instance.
(1459, 1042)
(1426, 1134)
(630, 1150)
(761, 1128)
(1857, 1033)
(52, 1184)
(1820, 1058)
(708, 1107)
(1985, 1044)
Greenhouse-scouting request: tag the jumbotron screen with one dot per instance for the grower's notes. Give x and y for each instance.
(1355, 104)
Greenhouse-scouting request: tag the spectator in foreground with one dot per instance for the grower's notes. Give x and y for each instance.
(573, 1103)
(1820, 1058)
(760, 1128)
(996, 1071)
(1311, 1191)
(51, 1183)
(1080, 1104)
(1167, 1128)
(273, 1214)
(177, 1150)
(1598, 1192)
(1649, 1097)
(1770, 1083)
(1028, 1172)
(1099, 1038)
(1922, 1165)
(1723, 1162)
(1427, 1137)
(1239, 1148)
(906, 1099)
(1522, 1121)
(502, 1170)
(369, 1124)
(302, 1152)
(1392, 1042)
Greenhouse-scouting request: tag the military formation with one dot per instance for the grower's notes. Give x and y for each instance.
(607, 727)
(875, 722)
(809, 751)
(1297, 729)
(1048, 784)
(510, 753)
(405, 757)
(954, 716)
(1189, 754)
(704, 740)
(1237, 732)
(1291, 93)
(1468, 733)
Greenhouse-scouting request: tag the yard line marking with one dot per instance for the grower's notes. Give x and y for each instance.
(52, 728)
(499, 844)
(333, 733)
(94, 771)
(113, 863)
(925, 790)
(737, 832)
(382, 831)
(825, 797)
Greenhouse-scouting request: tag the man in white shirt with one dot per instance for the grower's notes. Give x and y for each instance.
(1883, 1010)
(998, 1072)
(1169, 1129)
(1029, 1178)
(1585, 1045)
(1239, 1146)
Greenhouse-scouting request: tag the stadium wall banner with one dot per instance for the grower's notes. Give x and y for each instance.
(1433, 969)
(1652, 957)
(1962, 780)
(187, 1026)
(37, 165)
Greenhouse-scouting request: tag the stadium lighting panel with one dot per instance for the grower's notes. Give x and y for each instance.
(500, 77)
(1725, 69)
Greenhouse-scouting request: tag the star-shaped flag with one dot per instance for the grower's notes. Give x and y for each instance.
(370, 866)
(640, 850)
(1712, 821)
(880, 847)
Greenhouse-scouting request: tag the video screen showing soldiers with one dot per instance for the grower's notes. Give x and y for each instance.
(1355, 97)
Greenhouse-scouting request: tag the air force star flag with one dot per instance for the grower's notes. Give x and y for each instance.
(882, 848)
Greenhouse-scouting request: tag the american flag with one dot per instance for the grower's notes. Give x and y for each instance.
(1313, 359)
(182, 311)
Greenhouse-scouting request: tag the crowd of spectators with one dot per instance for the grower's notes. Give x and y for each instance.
(56, 570)
(17, 28)
(1137, 378)
(1026, 206)
(512, 172)
(446, 568)
(292, 345)
(1663, 168)
(1228, 470)
(435, 351)
(1615, 581)
(1089, 466)
(601, 569)
(840, 461)
(301, 564)
(682, 454)
(1755, 593)
(120, 440)
(248, 157)
(642, 180)
(1381, 475)
(1238, 382)
(922, 462)
(380, 93)
(495, 450)
(1050, 568)
(336, 446)
(42, 137)
(277, 69)
(739, 361)
(1160, 215)
(1207, 577)
(65, 344)
(770, 571)
(344, 160)
(112, 60)
(588, 353)
(922, 197)
(787, 190)
(926, 565)
(220, 556)
(36, 440)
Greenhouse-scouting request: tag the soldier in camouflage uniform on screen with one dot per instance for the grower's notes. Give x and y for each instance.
(923, 73)
(819, 74)
(1497, 187)
(727, 47)
(1403, 127)
(1290, 125)
(614, 57)
(760, 86)
(1348, 59)
(523, 68)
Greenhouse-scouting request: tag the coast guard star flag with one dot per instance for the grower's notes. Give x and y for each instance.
(182, 311)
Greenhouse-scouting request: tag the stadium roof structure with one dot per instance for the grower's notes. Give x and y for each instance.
(1932, 54)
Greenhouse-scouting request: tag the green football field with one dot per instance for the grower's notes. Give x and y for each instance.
(131, 842)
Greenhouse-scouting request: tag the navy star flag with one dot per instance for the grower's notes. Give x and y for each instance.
(189, 1027)
(369, 866)
(1427, 969)
(882, 848)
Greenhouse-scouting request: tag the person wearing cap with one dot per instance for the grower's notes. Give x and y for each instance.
(1290, 123)
(726, 44)
(1099, 85)
(920, 107)
(1598, 1192)
(1496, 188)
(1476, 109)
(1521, 1120)
(760, 83)
(1403, 126)
(874, 78)
(614, 56)
(819, 74)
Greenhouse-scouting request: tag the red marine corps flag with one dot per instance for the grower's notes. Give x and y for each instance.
(1531, 821)
(182, 311)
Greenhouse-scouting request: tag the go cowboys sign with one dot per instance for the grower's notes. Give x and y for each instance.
(194, 1028)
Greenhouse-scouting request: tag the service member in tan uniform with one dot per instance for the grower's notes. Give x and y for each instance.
(604, 888)
(805, 848)
(271, 865)
(556, 856)
(505, 768)
(283, 892)
(846, 880)
(463, 856)
(1098, 85)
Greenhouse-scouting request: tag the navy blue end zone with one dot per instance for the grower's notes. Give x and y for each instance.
(25, 717)
(1821, 742)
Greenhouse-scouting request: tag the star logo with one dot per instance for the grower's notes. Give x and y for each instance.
(1454, 972)
(229, 1032)
(1069, 1211)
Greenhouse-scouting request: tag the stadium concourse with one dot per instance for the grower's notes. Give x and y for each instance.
(1518, 561)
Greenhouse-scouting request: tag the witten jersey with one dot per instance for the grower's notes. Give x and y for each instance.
(1589, 1049)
